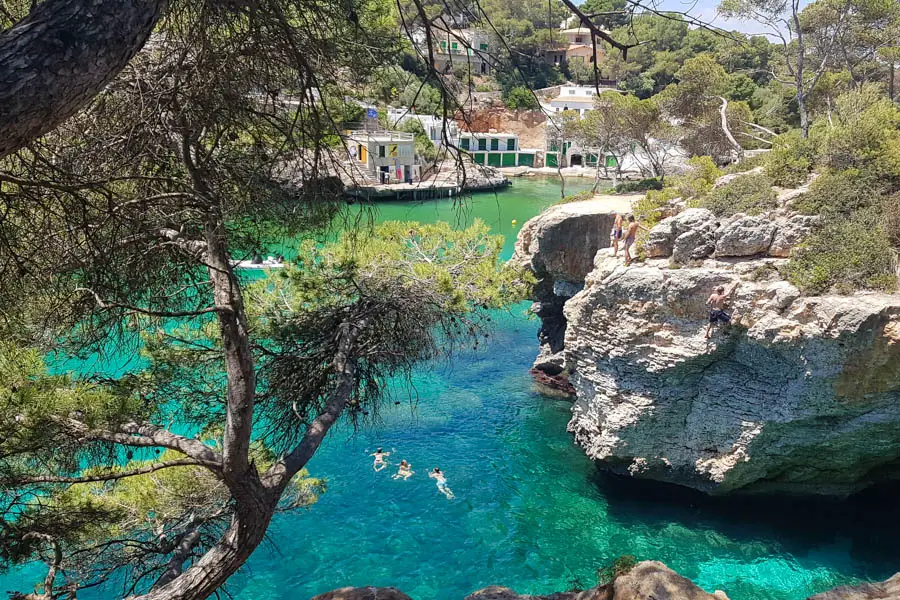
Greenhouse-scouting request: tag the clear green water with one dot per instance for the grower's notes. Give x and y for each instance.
(531, 512)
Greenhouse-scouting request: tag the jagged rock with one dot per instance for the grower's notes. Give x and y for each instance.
(889, 590)
(648, 580)
(363, 593)
(651, 580)
(745, 236)
(802, 395)
(564, 253)
(790, 233)
(661, 240)
(693, 245)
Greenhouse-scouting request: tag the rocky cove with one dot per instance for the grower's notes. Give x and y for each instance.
(799, 395)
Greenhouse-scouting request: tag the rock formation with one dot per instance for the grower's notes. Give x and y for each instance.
(800, 394)
(648, 580)
(889, 590)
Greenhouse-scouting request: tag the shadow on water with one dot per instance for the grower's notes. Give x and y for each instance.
(867, 524)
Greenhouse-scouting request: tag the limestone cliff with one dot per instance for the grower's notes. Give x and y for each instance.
(801, 394)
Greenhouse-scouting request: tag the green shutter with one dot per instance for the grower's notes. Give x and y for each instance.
(611, 161)
(494, 159)
(464, 143)
(483, 46)
(482, 144)
(478, 158)
(511, 144)
(552, 160)
(495, 144)
(526, 160)
(509, 159)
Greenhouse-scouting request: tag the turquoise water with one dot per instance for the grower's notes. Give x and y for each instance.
(531, 511)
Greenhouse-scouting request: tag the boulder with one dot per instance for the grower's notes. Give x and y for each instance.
(561, 242)
(888, 590)
(648, 580)
(363, 593)
(660, 241)
(744, 235)
(791, 232)
(651, 580)
(696, 244)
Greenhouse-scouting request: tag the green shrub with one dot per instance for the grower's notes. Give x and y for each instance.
(520, 97)
(642, 185)
(649, 209)
(846, 255)
(839, 193)
(751, 194)
(699, 180)
(620, 566)
(791, 159)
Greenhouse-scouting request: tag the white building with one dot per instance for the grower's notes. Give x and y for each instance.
(467, 47)
(578, 98)
(437, 129)
(388, 156)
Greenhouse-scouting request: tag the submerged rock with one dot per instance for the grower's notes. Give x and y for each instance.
(801, 394)
(363, 593)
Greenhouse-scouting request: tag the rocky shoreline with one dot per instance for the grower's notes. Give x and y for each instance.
(648, 580)
(800, 395)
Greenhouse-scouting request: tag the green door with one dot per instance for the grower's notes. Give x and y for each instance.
(509, 159)
(552, 160)
(478, 158)
(494, 159)
(526, 160)
(611, 161)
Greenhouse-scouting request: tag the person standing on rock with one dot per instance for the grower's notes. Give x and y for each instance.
(616, 234)
(630, 237)
(716, 304)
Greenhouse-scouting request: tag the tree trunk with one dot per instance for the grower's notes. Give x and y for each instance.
(804, 114)
(253, 512)
(63, 54)
(723, 110)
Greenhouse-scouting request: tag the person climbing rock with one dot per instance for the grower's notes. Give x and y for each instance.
(716, 305)
(630, 237)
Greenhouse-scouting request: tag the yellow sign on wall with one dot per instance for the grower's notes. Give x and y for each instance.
(392, 151)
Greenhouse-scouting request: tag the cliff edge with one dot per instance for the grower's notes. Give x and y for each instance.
(800, 394)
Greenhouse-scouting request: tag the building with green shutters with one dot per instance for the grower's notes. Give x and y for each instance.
(496, 149)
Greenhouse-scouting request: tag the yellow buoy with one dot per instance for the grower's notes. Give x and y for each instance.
(514, 221)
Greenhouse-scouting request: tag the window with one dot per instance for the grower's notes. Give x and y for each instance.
(443, 45)
(578, 39)
(464, 143)
(571, 92)
(495, 144)
(381, 152)
(482, 46)
(406, 150)
(482, 144)
(511, 144)
(454, 46)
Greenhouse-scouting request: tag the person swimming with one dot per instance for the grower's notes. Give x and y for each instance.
(438, 476)
(405, 471)
(379, 463)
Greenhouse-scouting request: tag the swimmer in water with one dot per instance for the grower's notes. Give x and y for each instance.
(441, 483)
(379, 463)
(405, 471)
